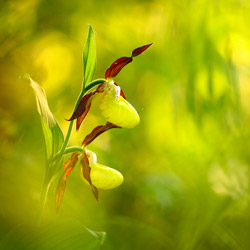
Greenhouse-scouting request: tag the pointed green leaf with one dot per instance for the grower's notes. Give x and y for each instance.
(89, 57)
(52, 132)
(62, 234)
(103, 177)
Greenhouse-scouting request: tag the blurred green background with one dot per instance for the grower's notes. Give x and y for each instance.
(186, 165)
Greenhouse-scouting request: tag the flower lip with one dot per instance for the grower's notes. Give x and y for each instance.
(98, 175)
(116, 109)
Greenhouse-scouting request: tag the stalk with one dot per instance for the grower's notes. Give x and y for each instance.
(48, 176)
(84, 90)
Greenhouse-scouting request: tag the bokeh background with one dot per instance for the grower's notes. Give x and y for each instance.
(186, 165)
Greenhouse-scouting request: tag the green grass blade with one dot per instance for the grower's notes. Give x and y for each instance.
(89, 57)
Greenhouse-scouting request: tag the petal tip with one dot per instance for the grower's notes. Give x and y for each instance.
(140, 50)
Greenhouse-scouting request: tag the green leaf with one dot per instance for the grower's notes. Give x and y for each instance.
(89, 57)
(62, 234)
(52, 132)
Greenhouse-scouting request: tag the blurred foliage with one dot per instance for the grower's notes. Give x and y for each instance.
(75, 236)
(186, 165)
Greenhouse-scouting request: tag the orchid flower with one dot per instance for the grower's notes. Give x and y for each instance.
(118, 112)
(98, 176)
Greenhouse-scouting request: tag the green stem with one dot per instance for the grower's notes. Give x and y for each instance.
(70, 150)
(94, 83)
(73, 149)
(48, 178)
(84, 90)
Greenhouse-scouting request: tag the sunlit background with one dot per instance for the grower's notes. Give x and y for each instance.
(186, 165)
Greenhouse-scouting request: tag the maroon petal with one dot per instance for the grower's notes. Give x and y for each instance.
(116, 66)
(94, 191)
(138, 51)
(84, 106)
(96, 132)
(86, 169)
(81, 118)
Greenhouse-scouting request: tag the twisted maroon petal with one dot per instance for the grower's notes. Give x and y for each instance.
(117, 65)
(86, 169)
(138, 51)
(96, 132)
(80, 119)
(84, 106)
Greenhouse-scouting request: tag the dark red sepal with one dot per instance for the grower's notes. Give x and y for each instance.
(96, 132)
(86, 169)
(138, 51)
(116, 66)
(84, 106)
(80, 119)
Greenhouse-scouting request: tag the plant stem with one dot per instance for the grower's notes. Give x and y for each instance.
(84, 90)
(48, 178)
(70, 150)
(94, 83)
